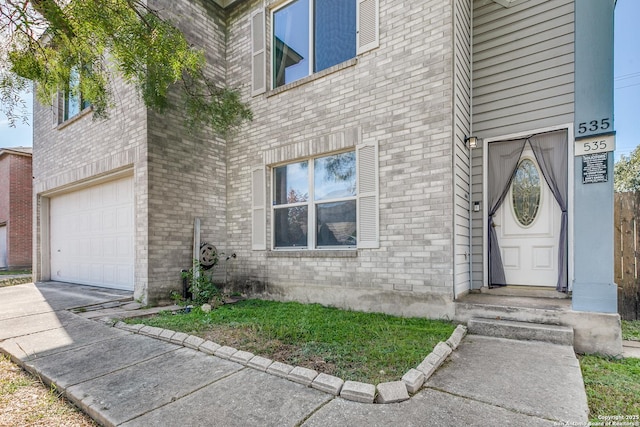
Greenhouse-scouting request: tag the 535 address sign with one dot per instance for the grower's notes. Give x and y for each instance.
(602, 125)
(602, 142)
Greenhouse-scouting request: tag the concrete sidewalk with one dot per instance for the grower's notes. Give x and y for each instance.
(121, 378)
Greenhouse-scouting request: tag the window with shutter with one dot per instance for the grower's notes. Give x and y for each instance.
(258, 210)
(55, 109)
(314, 203)
(309, 36)
(368, 207)
(69, 102)
(368, 25)
(258, 53)
(74, 102)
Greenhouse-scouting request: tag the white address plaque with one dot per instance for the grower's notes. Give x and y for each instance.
(595, 144)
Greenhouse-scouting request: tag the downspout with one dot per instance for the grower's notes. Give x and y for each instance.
(454, 146)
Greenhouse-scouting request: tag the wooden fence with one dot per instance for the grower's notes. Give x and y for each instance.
(627, 253)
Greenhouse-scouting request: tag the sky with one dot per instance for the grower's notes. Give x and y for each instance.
(626, 83)
(626, 87)
(21, 135)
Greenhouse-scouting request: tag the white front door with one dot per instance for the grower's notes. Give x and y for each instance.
(528, 227)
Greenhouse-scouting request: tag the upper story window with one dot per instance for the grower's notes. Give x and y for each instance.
(73, 102)
(310, 36)
(314, 203)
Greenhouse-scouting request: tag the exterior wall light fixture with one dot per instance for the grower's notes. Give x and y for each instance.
(471, 141)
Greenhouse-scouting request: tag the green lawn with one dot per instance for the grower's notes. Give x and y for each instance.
(612, 385)
(631, 330)
(356, 346)
(13, 272)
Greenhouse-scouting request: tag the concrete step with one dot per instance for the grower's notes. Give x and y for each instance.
(524, 331)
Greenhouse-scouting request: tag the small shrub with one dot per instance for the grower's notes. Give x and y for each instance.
(201, 286)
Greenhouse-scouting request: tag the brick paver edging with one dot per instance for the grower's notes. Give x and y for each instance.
(389, 392)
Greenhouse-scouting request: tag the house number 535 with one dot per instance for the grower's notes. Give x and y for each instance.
(594, 126)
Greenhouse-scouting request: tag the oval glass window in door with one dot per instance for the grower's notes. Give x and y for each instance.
(525, 191)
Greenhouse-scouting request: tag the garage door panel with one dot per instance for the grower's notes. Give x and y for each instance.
(92, 235)
(109, 218)
(109, 247)
(95, 221)
(96, 247)
(124, 220)
(110, 273)
(96, 273)
(124, 247)
(124, 272)
(84, 223)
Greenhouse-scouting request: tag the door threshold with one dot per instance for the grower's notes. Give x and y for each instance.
(525, 291)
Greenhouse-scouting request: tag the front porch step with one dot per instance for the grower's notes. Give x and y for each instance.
(524, 291)
(524, 331)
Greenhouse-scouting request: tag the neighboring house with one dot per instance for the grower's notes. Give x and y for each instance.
(16, 214)
(356, 184)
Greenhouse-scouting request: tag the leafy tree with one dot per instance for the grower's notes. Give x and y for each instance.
(45, 40)
(626, 172)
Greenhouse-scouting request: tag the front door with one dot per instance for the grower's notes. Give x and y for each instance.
(528, 226)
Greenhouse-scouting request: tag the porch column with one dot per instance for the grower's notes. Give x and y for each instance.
(593, 288)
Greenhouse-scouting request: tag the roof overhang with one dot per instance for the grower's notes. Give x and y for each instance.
(226, 3)
(18, 151)
(508, 3)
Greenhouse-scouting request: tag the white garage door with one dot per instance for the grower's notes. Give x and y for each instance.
(92, 232)
(3, 246)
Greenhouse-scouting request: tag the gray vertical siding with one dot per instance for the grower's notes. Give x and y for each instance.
(522, 66)
(523, 79)
(461, 129)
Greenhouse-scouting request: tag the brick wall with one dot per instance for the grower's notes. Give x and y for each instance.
(5, 167)
(399, 95)
(4, 206)
(187, 168)
(20, 227)
(15, 208)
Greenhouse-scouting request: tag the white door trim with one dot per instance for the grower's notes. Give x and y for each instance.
(570, 196)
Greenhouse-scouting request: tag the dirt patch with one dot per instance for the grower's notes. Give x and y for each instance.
(14, 281)
(251, 341)
(25, 401)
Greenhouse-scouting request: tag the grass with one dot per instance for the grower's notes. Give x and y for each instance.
(25, 401)
(631, 330)
(368, 347)
(13, 272)
(612, 386)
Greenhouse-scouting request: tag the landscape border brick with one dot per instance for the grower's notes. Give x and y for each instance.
(358, 392)
(412, 381)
